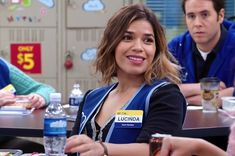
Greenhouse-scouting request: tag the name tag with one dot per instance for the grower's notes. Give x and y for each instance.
(128, 119)
(9, 88)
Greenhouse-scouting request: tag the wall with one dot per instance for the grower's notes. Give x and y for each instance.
(55, 30)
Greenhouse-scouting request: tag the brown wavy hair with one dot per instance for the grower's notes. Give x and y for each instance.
(164, 64)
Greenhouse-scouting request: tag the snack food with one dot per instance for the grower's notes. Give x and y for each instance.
(10, 152)
(23, 102)
(5, 154)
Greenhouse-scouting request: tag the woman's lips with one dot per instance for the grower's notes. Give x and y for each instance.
(136, 59)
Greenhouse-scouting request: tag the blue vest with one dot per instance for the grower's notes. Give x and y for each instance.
(4, 74)
(140, 102)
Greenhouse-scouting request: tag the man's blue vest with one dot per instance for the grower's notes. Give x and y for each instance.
(139, 102)
(4, 74)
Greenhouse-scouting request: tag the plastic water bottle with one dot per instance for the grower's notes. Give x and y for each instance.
(55, 127)
(75, 98)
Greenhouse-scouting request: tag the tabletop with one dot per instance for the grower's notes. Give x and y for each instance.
(25, 125)
(196, 124)
(205, 124)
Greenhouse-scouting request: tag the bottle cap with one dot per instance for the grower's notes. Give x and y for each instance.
(55, 97)
(158, 135)
(77, 85)
(76, 91)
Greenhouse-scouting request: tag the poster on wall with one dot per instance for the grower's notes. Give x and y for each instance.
(27, 57)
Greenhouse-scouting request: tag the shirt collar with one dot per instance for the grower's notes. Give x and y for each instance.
(223, 35)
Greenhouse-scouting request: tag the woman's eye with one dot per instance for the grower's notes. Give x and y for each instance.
(148, 40)
(127, 37)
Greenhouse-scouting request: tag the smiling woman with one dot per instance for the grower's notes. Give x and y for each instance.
(135, 52)
(144, 100)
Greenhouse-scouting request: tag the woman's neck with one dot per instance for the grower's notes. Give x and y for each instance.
(126, 83)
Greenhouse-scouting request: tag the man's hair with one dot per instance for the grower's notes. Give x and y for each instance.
(162, 65)
(218, 5)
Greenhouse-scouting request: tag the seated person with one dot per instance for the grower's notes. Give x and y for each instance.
(133, 51)
(206, 50)
(37, 93)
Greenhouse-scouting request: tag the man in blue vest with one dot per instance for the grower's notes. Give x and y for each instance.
(206, 49)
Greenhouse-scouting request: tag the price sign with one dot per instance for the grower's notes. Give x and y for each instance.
(27, 57)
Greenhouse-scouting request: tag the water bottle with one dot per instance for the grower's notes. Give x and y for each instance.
(55, 126)
(75, 98)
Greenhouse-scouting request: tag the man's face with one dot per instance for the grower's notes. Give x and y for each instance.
(203, 22)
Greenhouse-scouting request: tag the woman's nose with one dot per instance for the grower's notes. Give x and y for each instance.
(138, 45)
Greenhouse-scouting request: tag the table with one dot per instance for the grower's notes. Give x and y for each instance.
(212, 127)
(197, 124)
(25, 125)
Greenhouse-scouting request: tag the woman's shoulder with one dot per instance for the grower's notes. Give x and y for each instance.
(168, 94)
(164, 84)
(169, 89)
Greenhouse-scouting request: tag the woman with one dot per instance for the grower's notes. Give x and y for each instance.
(133, 50)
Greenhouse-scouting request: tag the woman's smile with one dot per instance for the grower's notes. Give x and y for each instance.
(136, 59)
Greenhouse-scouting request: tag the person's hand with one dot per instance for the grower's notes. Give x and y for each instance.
(195, 100)
(222, 85)
(175, 146)
(231, 142)
(37, 100)
(6, 98)
(83, 145)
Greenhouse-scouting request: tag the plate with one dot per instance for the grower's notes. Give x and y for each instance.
(15, 110)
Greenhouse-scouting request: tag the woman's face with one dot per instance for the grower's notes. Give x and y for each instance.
(135, 52)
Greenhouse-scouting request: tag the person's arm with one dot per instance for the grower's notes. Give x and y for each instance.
(196, 100)
(6, 98)
(84, 145)
(226, 92)
(231, 140)
(190, 89)
(25, 85)
(194, 89)
(176, 146)
(166, 113)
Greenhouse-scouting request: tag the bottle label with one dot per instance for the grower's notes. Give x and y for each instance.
(55, 127)
(75, 101)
